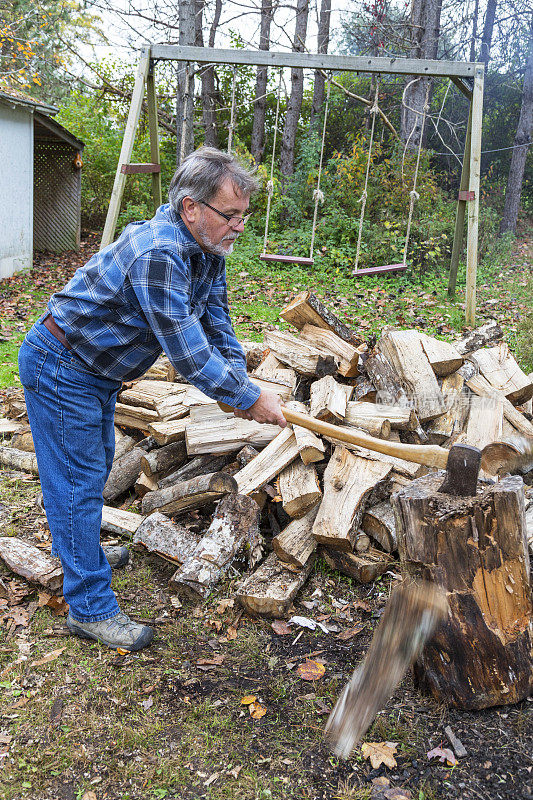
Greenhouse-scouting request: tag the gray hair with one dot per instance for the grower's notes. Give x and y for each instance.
(203, 172)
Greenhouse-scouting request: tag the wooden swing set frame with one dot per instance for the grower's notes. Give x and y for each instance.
(468, 77)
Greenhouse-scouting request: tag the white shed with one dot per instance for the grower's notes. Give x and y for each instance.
(40, 183)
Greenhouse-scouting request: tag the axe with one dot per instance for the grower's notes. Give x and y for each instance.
(462, 462)
(410, 617)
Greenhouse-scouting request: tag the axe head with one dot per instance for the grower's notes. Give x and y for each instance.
(462, 470)
(409, 619)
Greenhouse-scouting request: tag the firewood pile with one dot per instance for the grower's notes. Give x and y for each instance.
(214, 490)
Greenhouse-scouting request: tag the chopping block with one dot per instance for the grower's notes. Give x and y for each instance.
(475, 548)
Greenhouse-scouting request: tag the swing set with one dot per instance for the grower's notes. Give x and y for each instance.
(466, 76)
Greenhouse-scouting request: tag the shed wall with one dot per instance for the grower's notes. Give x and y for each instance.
(16, 190)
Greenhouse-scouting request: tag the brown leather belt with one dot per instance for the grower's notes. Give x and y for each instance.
(50, 323)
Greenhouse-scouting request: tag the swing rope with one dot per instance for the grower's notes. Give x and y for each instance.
(231, 129)
(270, 184)
(185, 110)
(413, 194)
(318, 194)
(374, 111)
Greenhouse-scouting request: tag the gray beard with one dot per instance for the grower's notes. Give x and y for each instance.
(207, 244)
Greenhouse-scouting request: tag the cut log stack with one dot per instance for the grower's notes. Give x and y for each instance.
(177, 452)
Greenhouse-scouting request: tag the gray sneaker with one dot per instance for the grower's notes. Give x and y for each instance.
(117, 556)
(117, 632)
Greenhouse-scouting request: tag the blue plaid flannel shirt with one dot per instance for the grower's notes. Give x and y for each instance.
(155, 289)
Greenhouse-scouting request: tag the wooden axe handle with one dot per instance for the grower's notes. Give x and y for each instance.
(427, 454)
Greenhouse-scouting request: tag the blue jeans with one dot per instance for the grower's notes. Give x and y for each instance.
(71, 412)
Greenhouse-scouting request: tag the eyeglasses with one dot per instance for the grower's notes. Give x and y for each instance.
(233, 221)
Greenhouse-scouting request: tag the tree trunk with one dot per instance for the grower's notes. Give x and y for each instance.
(209, 120)
(322, 47)
(475, 548)
(522, 141)
(425, 27)
(486, 37)
(294, 105)
(474, 31)
(258, 129)
(185, 93)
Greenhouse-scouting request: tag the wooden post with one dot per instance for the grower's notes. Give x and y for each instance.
(151, 98)
(126, 149)
(476, 549)
(473, 205)
(461, 209)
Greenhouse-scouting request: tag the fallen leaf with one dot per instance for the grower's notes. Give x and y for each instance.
(215, 661)
(363, 605)
(380, 753)
(280, 627)
(443, 754)
(396, 793)
(148, 703)
(56, 603)
(257, 710)
(225, 604)
(248, 699)
(311, 670)
(48, 657)
(235, 771)
(122, 652)
(231, 633)
(349, 633)
(19, 616)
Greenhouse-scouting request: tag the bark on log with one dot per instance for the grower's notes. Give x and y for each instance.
(379, 523)
(364, 568)
(476, 549)
(18, 459)
(487, 334)
(200, 465)
(349, 484)
(31, 563)
(189, 494)
(165, 538)
(123, 443)
(500, 369)
(306, 308)
(124, 473)
(145, 483)
(343, 352)
(163, 458)
(235, 522)
(270, 590)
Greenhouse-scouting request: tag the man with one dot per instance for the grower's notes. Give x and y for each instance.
(160, 286)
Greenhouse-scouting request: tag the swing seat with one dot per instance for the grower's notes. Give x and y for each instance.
(287, 259)
(385, 268)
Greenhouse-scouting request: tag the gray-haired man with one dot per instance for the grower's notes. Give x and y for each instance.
(160, 286)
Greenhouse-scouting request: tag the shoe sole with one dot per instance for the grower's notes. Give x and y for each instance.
(143, 641)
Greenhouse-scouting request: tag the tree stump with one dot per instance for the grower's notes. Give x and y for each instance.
(476, 549)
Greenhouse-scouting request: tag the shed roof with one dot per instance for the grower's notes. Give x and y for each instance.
(47, 128)
(16, 97)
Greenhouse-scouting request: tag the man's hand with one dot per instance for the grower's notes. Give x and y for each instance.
(267, 408)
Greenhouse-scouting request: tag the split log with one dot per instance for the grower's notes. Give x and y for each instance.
(147, 393)
(18, 459)
(123, 473)
(363, 390)
(350, 482)
(480, 386)
(168, 432)
(269, 463)
(295, 544)
(310, 446)
(400, 418)
(502, 372)
(134, 417)
(409, 469)
(282, 390)
(450, 423)
(403, 350)
(166, 538)
(307, 309)
(299, 489)
(328, 400)
(306, 359)
(270, 590)
(484, 422)
(247, 454)
(23, 440)
(272, 369)
(201, 465)
(120, 522)
(379, 523)
(193, 493)
(161, 370)
(235, 522)
(254, 352)
(172, 407)
(364, 568)
(213, 431)
(9, 426)
(164, 458)
(475, 548)
(479, 337)
(31, 563)
(123, 443)
(442, 356)
(344, 353)
(144, 484)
